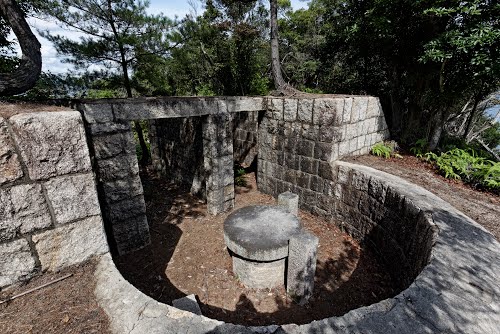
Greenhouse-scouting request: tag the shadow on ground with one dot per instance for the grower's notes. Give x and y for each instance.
(348, 279)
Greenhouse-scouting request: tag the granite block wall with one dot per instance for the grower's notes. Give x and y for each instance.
(300, 139)
(245, 137)
(49, 211)
(177, 151)
(376, 212)
(197, 140)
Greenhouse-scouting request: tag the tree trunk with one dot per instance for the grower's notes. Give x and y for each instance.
(477, 99)
(26, 75)
(281, 86)
(436, 130)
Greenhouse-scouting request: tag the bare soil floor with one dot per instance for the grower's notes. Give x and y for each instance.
(188, 256)
(481, 206)
(67, 306)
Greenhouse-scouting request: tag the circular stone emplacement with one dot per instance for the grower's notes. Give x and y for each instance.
(258, 235)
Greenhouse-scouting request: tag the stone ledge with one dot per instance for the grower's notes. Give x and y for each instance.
(456, 292)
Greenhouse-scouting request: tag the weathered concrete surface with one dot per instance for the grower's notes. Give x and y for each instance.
(16, 262)
(73, 197)
(260, 232)
(59, 149)
(259, 275)
(169, 107)
(71, 244)
(290, 202)
(10, 168)
(302, 250)
(188, 303)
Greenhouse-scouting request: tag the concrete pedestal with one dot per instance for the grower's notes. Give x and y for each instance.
(258, 236)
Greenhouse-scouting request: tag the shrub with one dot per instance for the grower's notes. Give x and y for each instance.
(385, 149)
(239, 176)
(420, 147)
(466, 165)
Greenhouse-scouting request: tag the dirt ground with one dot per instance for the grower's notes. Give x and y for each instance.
(483, 207)
(67, 306)
(188, 256)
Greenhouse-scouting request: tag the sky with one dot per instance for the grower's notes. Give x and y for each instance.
(51, 61)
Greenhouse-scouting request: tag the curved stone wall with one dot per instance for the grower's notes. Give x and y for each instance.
(451, 264)
(377, 211)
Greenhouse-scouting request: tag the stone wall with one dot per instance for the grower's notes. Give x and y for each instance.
(49, 211)
(177, 151)
(457, 290)
(296, 141)
(376, 212)
(299, 139)
(245, 137)
(209, 170)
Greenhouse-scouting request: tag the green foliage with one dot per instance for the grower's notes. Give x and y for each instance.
(221, 52)
(419, 148)
(117, 34)
(239, 176)
(466, 165)
(382, 150)
(145, 131)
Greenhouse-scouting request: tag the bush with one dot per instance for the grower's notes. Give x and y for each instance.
(385, 149)
(239, 176)
(420, 147)
(466, 165)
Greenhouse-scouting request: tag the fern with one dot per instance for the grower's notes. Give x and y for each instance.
(382, 150)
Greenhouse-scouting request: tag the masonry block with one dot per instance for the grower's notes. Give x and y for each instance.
(290, 202)
(71, 244)
(108, 128)
(126, 209)
(10, 167)
(119, 167)
(347, 111)
(132, 234)
(60, 149)
(260, 275)
(122, 189)
(97, 113)
(328, 111)
(302, 249)
(73, 197)
(113, 145)
(305, 110)
(16, 262)
(290, 110)
(276, 107)
(23, 209)
(359, 108)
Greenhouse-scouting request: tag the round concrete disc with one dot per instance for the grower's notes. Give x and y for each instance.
(260, 232)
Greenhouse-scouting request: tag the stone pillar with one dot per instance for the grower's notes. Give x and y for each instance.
(218, 162)
(290, 202)
(302, 250)
(119, 184)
